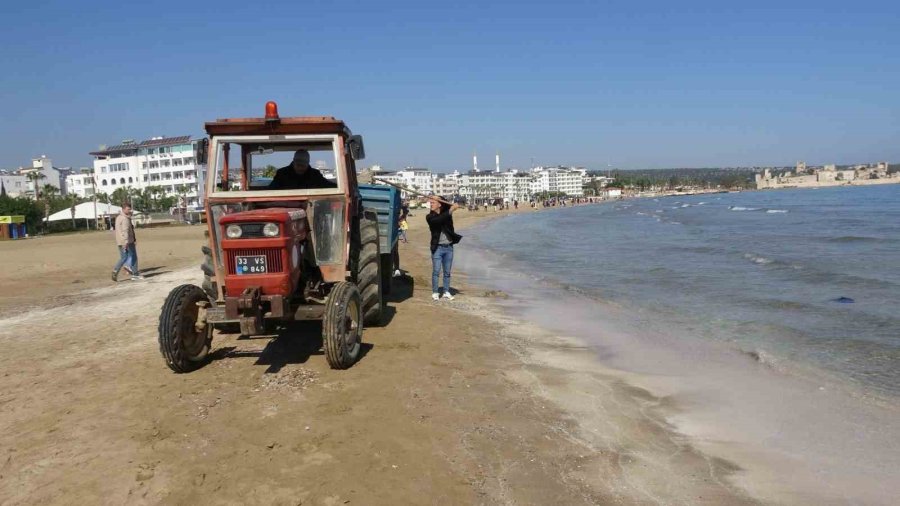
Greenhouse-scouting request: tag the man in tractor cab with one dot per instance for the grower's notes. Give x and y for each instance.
(299, 175)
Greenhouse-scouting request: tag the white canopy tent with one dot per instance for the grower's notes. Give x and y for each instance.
(85, 211)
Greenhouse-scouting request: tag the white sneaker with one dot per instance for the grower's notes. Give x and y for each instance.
(447, 295)
(397, 273)
(435, 296)
(136, 277)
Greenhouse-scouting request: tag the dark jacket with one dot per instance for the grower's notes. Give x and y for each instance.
(286, 178)
(442, 221)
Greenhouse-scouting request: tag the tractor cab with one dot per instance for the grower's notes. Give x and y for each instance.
(243, 158)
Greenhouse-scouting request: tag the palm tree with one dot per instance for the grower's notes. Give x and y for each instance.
(120, 196)
(49, 191)
(35, 177)
(73, 199)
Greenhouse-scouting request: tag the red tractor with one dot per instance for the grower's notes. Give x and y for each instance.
(278, 254)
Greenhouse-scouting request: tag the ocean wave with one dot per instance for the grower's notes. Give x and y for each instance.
(757, 259)
(762, 357)
(845, 281)
(855, 238)
(782, 304)
(740, 208)
(776, 211)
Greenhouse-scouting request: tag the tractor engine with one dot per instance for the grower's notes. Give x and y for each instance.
(262, 252)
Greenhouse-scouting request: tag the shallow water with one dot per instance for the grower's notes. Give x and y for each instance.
(811, 277)
(742, 314)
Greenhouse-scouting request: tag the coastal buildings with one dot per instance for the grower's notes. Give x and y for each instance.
(164, 163)
(14, 185)
(810, 177)
(27, 181)
(81, 183)
(478, 186)
(446, 185)
(559, 180)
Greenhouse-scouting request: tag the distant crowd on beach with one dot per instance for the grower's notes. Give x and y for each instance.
(500, 205)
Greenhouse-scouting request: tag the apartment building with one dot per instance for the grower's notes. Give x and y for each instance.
(81, 183)
(14, 185)
(558, 179)
(167, 163)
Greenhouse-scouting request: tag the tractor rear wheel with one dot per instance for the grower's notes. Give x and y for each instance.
(368, 276)
(342, 325)
(182, 345)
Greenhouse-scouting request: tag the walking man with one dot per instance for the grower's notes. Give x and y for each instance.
(125, 241)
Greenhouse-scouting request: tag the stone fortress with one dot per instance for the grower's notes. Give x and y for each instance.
(829, 175)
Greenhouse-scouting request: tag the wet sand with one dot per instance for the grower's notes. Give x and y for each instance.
(450, 404)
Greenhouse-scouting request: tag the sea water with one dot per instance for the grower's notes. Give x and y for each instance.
(776, 314)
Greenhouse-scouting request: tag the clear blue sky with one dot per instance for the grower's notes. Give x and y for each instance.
(632, 84)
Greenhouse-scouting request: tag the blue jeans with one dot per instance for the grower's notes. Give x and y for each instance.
(441, 258)
(127, 254)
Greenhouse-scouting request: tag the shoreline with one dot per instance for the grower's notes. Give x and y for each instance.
(644, 456)
(763, 468)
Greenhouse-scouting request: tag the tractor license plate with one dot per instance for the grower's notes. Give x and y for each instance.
(250, 265)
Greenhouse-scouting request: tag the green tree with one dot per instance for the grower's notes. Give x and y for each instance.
(49, 191)
(269, 171)
(22, 206)
(35, 178)
(72, 201)
(120, 196)
(166, 202)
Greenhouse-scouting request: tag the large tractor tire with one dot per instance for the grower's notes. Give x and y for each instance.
(342, 325)
(182, 346)
(368, 274)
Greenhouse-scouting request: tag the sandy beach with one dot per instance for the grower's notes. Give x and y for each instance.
(452, 403)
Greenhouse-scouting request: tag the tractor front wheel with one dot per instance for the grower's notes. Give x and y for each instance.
(183, 345)
(342, 325)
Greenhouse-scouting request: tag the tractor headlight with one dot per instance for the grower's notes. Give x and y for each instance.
(270, 230)
(233, 231)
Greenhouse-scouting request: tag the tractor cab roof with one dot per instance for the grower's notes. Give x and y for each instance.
(273, 124)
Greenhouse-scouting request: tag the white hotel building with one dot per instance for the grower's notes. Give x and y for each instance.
(478, 186)
(80, 183)
(558, 179)
(164, 162)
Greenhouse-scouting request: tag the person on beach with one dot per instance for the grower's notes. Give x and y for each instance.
(403, 227)
(299, 175)
(404, 209)
(126, 242)
(443, 237)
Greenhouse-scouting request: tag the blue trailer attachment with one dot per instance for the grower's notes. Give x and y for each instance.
(385, 200)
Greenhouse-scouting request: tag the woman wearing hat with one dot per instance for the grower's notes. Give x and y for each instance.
(443, 237)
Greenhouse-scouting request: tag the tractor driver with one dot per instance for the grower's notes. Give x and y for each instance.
(299, 175)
